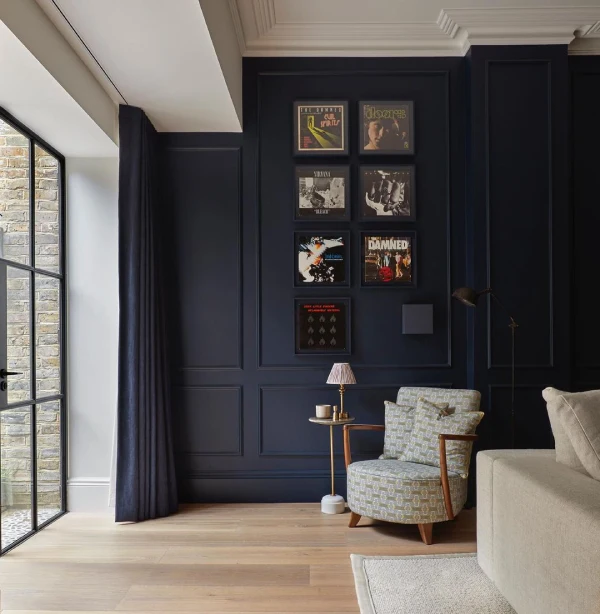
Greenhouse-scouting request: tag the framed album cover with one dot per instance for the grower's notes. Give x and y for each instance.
(322, 193)
(389, 258)
(322, 258)
(387, 193)
(386, 127)
(322, 326)
(321, 128)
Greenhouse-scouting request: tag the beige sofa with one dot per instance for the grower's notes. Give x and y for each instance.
(538, 531)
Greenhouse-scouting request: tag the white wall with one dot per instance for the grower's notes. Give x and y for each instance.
(93, 320)
(219, 21)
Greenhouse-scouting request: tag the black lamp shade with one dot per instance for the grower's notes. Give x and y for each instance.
(468, 296)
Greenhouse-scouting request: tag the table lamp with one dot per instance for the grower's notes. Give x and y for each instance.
(341, 374)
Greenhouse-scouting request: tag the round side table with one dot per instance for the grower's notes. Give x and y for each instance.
(332, 504)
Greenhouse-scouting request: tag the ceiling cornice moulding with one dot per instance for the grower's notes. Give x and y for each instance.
(238, 26)
(519, 25)
(261, 34)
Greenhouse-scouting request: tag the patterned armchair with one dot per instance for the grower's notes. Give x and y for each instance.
(394, 487)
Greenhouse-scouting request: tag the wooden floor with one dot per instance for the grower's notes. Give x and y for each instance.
(209, 558)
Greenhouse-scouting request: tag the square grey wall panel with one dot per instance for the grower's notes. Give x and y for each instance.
(417, 319)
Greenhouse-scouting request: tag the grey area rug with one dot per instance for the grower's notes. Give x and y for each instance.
(430, 584)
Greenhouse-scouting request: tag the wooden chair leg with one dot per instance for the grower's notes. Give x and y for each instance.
(354, 518)
(426, 531)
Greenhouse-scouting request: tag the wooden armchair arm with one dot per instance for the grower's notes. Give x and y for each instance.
(443, 437)
(357, 427)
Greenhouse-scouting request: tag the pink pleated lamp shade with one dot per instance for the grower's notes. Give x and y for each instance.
(341, 373)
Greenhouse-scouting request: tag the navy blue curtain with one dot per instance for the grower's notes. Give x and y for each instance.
(146, 486)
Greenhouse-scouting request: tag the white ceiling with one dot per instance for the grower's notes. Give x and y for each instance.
(409, 27)
(159, 56)
(180, 60)
(41, 103)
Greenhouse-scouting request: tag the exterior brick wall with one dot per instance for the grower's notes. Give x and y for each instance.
(15, 424)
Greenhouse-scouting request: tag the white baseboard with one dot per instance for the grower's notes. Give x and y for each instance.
(88, 494)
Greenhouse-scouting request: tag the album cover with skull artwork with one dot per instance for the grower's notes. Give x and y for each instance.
(322, 326)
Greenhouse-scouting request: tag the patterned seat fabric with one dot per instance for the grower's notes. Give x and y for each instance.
(397, 491)
(406, 492)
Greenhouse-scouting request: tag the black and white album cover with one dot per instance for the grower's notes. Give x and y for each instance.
(322, 193)
(388, 258)
(322, 326)
(321, 258)
(387, 193)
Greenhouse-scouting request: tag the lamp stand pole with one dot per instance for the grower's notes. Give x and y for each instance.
(513, 327)
(342, 390)
(332, 466)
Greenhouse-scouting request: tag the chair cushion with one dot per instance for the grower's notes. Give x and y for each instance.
(423, 444)
(395, 469)
(396, 491)
(399, 422)
(565, 452)
(460, 400)
(579, 415)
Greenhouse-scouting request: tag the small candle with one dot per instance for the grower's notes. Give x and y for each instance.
(323, 411)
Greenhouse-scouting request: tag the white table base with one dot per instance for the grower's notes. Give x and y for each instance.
(333, 504)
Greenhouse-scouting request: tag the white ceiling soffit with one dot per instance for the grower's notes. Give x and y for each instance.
(46, 87)
(409, 27)
(158, 55)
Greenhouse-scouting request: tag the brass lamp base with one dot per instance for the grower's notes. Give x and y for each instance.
(343, 414)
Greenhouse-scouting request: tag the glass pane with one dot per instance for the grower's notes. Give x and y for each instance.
(47, 336)
(14, 194)
(48, 460)
(15, 474)
(47, 238)
(18, 334)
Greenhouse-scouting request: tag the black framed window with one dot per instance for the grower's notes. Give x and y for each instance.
(32, 333)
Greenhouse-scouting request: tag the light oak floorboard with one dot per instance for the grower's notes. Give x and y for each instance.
(214, 558)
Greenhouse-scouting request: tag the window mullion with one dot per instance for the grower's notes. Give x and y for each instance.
(32, 321)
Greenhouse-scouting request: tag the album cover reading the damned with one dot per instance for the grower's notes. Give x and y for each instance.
(322, 193)
(321, 128)
(388, 260)
(387, 192)
(322, 326)
(321, 258)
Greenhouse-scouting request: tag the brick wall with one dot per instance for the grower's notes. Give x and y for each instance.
(15, 424)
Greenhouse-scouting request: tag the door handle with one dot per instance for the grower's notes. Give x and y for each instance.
(4, 373)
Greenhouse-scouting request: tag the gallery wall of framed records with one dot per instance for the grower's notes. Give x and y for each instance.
(385, 193)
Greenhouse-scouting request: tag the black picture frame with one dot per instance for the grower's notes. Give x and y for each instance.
(371, 266)
(337, 316)
(324, 139)
(314, 183)
(336, 257)
(396, 118)
(387, 193)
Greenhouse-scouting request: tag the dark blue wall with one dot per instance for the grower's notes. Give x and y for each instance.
(492, 160)
(585, 131)
(520, 237)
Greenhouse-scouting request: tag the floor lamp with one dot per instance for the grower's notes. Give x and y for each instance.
(469, 297)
